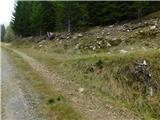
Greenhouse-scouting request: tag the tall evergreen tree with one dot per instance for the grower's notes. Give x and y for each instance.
(59, 15)
(139, 7)
(39, 17)
(21, 18)
(36, 18)
(48, 16)
(9, 34)
(74, 15)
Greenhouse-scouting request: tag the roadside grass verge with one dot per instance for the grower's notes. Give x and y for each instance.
(112, 79)
(52, 104)
(109, 77)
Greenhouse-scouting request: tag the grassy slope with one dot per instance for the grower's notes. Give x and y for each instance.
(52, 104)
(111, 82)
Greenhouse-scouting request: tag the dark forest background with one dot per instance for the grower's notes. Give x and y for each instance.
(38, 17)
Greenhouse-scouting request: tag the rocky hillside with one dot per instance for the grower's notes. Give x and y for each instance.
(119, 62)
(123, 37)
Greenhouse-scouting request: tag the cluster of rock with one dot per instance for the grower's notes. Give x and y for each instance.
(114, 35)
(99, 43)
(106, 37)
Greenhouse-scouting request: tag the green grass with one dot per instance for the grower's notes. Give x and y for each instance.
(52, 104)
(111, 82)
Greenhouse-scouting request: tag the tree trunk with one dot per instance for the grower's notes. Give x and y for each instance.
(139, 14)
(69, 25)
(40, 32)
(69, 17)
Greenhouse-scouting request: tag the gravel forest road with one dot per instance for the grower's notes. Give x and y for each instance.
(15, 102)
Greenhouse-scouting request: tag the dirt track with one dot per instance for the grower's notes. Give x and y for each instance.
(16, 103)
(89, 105)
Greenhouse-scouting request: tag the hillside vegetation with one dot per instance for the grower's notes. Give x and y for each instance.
(110, 49)
(119, 63)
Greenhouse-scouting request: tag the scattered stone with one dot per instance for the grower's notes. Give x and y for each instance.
(109, 53)
(99, 42)
(102, 32)
(123, 51)
(80, 90)
(75, 37)
(77, 46)
(42, 42)
(111, 26)
(67, 37)
(30, 38)
(80, 35)
(108, 44)
(98, 37)
(144, 62)
(108, 33)
(40, 46)
(152, 27)
(141, 31)
(94, 48)
(146, 23)
(144, 48)
(98, 46)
